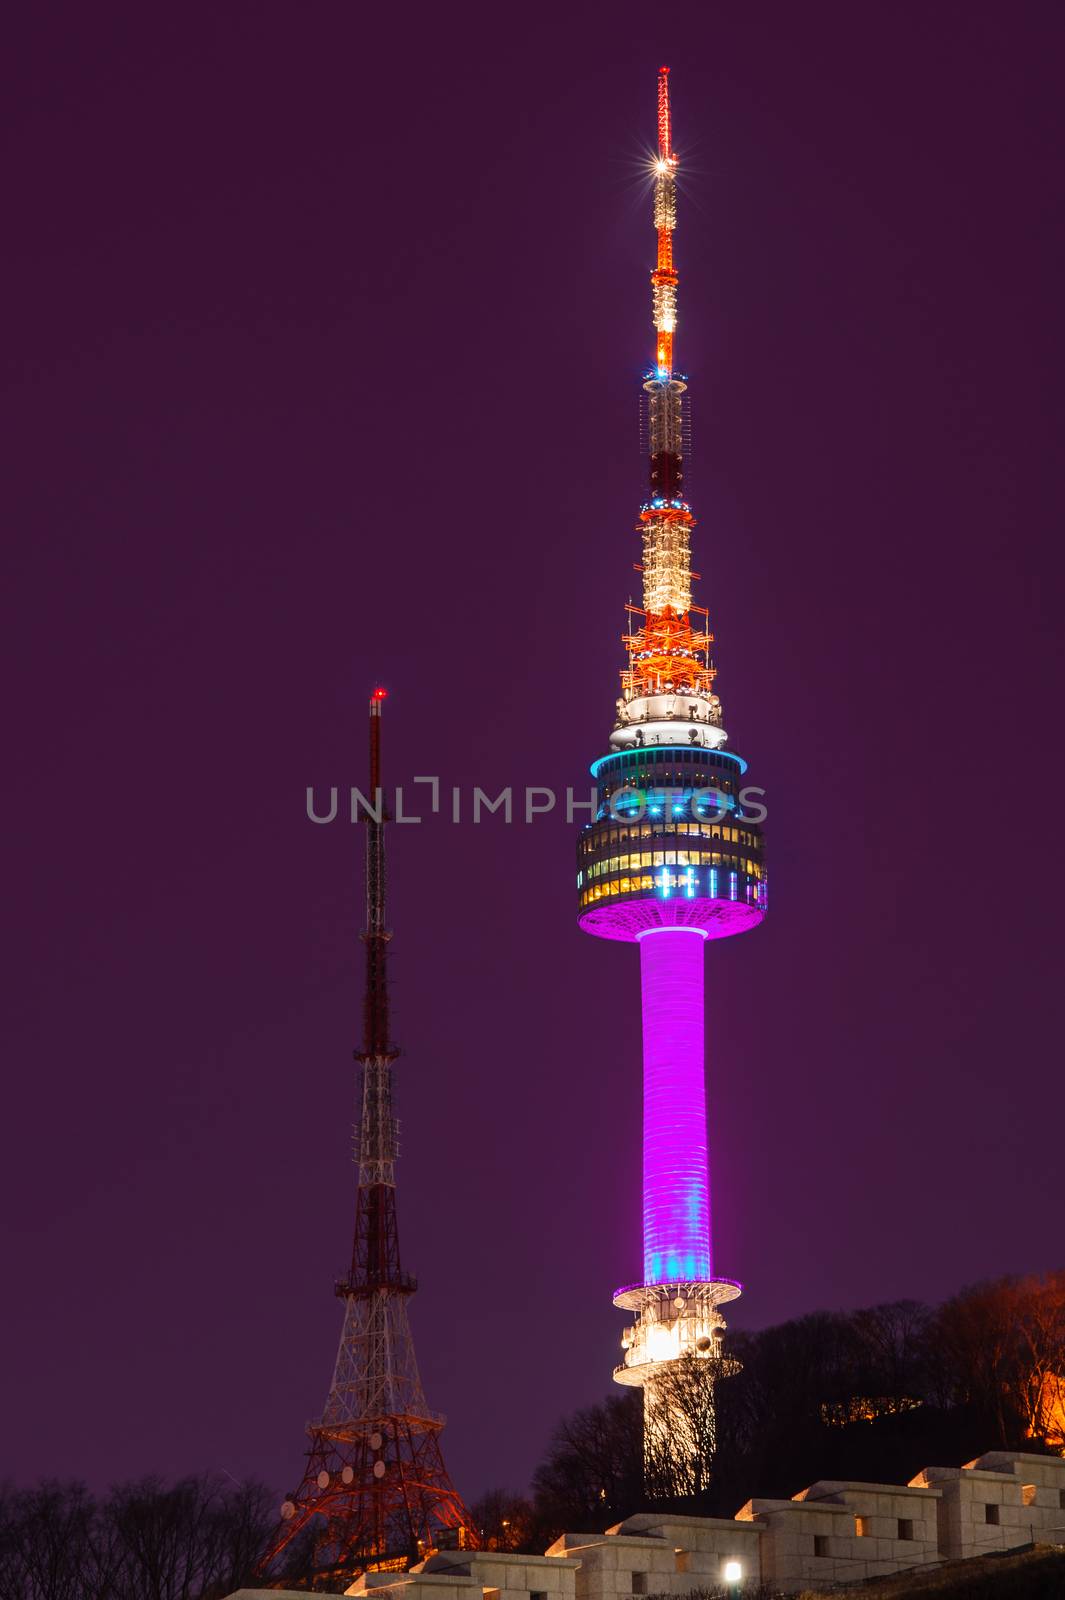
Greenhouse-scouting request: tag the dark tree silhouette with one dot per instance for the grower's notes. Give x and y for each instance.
(504, 1521)
(194, 1540)
(592, 1474)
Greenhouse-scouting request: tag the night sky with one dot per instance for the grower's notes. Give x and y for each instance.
(324, 332)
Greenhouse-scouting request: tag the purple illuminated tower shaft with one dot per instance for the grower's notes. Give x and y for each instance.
(676, 1187)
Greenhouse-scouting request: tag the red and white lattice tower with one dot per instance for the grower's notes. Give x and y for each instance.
(375, 1491)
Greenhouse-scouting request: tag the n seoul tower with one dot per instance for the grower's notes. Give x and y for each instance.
(670, 862)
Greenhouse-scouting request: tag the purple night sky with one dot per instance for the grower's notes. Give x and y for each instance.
(324, 334)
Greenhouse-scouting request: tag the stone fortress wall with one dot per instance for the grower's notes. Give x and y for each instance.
(831, 1532)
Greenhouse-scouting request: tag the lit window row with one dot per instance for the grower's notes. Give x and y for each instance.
(603, 838)
(687, 883)
(637, 861)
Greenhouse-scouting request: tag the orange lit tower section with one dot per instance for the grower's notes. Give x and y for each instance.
(672, 861)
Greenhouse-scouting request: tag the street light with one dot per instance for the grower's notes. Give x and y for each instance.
(732, 1572)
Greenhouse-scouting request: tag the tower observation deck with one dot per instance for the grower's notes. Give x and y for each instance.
(672, 860)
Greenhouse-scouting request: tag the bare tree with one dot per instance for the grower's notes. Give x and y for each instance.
(892, 1343)
(196, 1540)
(1038, 1381)
(681, 1441)
(1000, 1349)
(55, 1545)
(504, 1521)
(592, 1473)
(192, 1541)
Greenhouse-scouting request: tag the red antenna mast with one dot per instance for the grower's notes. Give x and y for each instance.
(375, 1492)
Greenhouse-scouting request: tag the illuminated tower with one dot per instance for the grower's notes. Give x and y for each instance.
(375, 1492)
(671, 860)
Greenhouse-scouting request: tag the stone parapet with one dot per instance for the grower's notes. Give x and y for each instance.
(832, 1532)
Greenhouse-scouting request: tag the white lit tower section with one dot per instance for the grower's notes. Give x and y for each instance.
(670, 862)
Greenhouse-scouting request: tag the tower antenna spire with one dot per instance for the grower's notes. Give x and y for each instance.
(375, 1490)
(665, 132)
(664, 278)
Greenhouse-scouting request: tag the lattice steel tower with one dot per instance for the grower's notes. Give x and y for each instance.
(672, 860)
(375, 1492)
